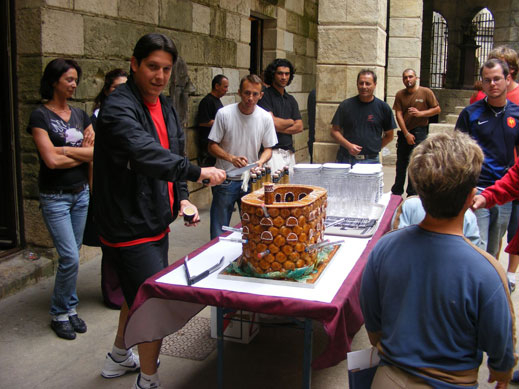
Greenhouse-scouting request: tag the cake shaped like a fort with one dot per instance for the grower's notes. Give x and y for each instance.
(279, 223)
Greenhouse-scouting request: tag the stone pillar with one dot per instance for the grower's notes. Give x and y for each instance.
(404, 50)
(425, 66)
(404, 44)
(351, 36)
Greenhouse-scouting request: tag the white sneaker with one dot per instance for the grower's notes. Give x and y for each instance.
(153, 385)
(114, 369)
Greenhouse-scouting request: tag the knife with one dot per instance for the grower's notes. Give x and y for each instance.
(201, 276)
(239, 172)
(242, 170)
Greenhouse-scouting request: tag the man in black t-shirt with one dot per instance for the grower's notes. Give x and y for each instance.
(207, 109)
(284, 109)
(363, 124)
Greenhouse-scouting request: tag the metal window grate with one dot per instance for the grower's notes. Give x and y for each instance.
(440, 35)
(483, 24)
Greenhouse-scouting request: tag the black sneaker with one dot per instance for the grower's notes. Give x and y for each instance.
(63, 329)
(77, 324)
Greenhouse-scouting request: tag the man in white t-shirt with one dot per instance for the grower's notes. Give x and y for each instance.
(238, 133)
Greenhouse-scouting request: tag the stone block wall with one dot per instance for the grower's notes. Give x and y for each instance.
(212, 36)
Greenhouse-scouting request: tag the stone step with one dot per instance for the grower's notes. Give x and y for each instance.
(457, 110)
(451, 118)
(16, 273)
(435, 128)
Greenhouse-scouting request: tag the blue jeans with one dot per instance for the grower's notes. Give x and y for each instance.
(222, 207)
(492, 225)
(65, 216)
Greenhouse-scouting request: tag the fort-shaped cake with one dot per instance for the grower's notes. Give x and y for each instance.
(279, 223)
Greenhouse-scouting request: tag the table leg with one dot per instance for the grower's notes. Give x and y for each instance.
(219, 342)
(307, 357)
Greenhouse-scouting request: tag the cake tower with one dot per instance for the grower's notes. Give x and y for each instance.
(279, 223)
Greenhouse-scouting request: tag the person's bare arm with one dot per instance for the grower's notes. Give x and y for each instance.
(427, 113)
(207, 124)
(295, 128)
(336, 134)
(387, 138)
(56, 157)
(401, 123)
(217, 151)
(265, 156)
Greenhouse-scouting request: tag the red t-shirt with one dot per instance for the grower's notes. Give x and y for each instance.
(162, 131)
(160, 127)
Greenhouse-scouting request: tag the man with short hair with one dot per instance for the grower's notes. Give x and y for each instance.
(494, 123)
(239, 132)
(207, 109)
(511, 58)
(413, 106)
(285, 111)
(432, 301)
(139, 177)
(363, 124)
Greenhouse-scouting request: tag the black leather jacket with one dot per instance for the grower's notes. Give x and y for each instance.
(132, 169)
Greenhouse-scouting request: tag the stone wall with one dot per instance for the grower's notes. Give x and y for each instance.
(212, 36)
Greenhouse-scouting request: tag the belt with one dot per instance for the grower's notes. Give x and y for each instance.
(73, 190)
(365, 156)
(234, 179)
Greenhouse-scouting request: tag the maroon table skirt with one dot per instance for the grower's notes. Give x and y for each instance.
(161, 309)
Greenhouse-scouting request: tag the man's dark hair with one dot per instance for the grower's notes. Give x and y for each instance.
(110, 77)
(52, 73)
(270, 71)
(493, 62)
(409, 70)
(217, 80)
(367, 71)
(151, 42)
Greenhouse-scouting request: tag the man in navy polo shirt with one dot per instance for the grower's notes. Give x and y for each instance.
(494, 123)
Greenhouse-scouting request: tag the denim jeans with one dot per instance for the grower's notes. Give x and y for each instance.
(65, 216)
(492, 225)
(403, 152)
(222, 207)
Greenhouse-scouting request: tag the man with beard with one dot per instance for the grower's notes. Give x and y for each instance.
(413, 105)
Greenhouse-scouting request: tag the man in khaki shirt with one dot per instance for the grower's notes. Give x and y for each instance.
(413, 106)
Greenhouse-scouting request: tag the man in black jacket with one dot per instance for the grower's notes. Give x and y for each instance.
(139, 178)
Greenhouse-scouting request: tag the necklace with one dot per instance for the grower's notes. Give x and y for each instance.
(498, 112)
(56, 110)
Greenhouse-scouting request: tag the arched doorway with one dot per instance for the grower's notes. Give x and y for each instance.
(439, 46)
(483, 26)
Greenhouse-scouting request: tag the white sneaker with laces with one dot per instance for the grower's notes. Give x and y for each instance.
(114, 369)
(151, 385)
